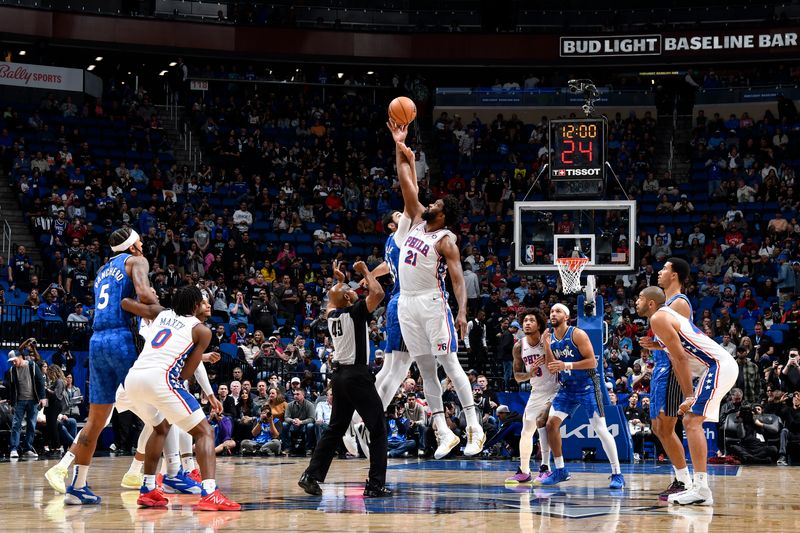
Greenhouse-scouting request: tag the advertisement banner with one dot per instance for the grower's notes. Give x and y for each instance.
(678, 45)
(41, 77)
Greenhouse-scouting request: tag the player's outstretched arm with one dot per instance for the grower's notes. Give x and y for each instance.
(139, 270)
(406, 172)
(201, 336)
(376, 294)
(664, 328)
(448, 249)
(148, 311)
(381, 270)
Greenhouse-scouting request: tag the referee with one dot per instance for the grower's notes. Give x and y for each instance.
(353, 384)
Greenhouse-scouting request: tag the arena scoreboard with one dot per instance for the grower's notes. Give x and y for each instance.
(578, 156)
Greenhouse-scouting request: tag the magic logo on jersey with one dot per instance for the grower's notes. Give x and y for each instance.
(564, 353)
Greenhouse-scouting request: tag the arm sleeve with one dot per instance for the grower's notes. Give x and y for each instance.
(202, 379)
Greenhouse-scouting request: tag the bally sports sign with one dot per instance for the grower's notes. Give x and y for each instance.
(665, 45)
(41, 77)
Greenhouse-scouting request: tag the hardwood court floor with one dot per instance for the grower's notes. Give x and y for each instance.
(431, 496)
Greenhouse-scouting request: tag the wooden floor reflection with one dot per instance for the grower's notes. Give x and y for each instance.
(463, 496)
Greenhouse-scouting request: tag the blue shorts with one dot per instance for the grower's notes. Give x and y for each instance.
(567, 401)
(394, 337)
(112, 353)
(665, 392)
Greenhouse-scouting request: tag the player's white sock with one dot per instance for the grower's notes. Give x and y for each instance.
(559, 462)
(150, 481)
(701, 480)
(172, 454)
(163, 468)
(66, 461)
(682, 475)
(463, 389)
(432, 387)
(526, 447)
(187, 463)
(144, 436)
(544, 446)
(392, 380)
(209, 486)
(184, 442)
(136, 466)
(79, 476)
(609, 446)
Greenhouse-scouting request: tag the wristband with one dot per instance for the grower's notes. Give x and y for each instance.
(568, 367)
(692, 398)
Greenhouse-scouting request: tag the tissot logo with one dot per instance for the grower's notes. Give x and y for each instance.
(577, 172)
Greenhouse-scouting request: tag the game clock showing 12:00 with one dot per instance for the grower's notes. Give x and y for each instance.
(577, 148)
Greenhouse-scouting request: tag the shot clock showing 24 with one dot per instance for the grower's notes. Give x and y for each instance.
(578, 156)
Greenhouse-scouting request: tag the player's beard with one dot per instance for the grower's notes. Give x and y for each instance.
(427, 216)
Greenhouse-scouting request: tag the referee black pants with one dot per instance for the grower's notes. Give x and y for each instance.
(353, 390)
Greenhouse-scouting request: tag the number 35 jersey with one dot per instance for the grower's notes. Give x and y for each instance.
(422, 269)
(167, 344)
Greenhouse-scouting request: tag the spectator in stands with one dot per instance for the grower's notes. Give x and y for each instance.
(25, 386)
(322, 414)
(238, 310)
(19, 270)
(791, 371)
(749, 381)
(791, 431)
(397, 425)
(266, 437)
(764, 346)
(298, 421)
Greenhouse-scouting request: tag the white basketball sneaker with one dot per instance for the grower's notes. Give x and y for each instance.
(447, 441)
(694, 496)
(475, 439)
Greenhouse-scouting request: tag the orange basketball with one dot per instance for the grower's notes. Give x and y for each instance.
(402, 110)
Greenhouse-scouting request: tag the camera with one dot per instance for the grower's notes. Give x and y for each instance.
(588, 90)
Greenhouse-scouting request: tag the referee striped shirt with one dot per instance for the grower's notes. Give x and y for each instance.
(350, 334)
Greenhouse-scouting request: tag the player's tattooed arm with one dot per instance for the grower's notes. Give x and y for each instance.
(140, 269)
(519, 367)
(148, 311)
(448, 249)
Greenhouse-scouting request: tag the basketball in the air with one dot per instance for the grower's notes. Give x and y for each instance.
(402, 110)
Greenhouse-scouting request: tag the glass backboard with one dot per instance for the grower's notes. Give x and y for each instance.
(599, 230)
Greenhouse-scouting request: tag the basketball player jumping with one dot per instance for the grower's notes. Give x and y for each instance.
(395, 367)
(665, 391)
(569, 351)
(173, 348)
(693, 355)
(112, 351)
(427, 253)
(529, 365)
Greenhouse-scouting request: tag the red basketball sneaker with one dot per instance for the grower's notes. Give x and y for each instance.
(151, 498)
(195, 475)
(216, 501)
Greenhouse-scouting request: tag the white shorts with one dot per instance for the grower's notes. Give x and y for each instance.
(427, 324)
(537, 403)
(153, 399)
(712, 385)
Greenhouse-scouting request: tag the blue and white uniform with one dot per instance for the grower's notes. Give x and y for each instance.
(112, 350)
(425, 318)
(579, 388)
(394, 336)
(714, 367)
(665, 391)
(154, 385)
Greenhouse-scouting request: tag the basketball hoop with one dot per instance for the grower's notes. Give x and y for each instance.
(570, 269)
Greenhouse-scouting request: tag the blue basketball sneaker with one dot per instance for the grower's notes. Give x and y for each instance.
(181, 483)
(617, 482)
(81, 496)
(556, 476)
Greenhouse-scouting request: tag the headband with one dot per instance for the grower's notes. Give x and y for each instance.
(563, 308)
(130, 241)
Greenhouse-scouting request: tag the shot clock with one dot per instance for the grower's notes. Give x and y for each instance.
(577, 156)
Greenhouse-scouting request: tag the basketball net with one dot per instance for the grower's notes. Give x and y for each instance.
(570, 269)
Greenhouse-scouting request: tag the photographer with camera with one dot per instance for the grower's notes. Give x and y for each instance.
(752, 449)
(29, 350)
(266, 435)
(790, 375)
(791, 432)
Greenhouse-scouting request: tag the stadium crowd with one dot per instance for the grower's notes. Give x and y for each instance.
(295, 179)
